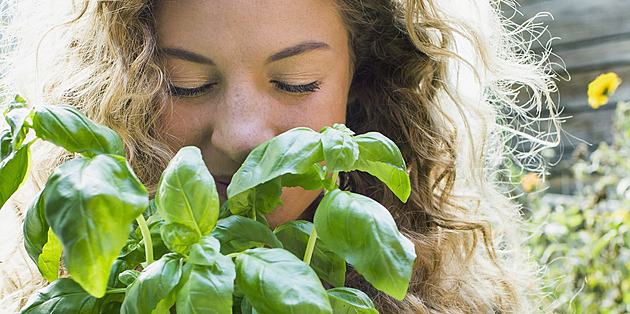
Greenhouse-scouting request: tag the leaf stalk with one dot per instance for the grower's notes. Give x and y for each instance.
(146, 235)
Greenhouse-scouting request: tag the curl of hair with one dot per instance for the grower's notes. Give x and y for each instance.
(441, 82)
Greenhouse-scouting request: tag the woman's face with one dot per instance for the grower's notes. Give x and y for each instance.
(245, 71)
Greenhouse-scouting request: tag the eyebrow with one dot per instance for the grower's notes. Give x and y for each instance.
(298, 49)
(284, 53)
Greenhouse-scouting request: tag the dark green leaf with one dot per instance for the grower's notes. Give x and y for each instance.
(6, 148)
(13, 170)
(292, 152)
(340, 149)
(90, 205)
(178, 238)
(66, 296)
(312, 179)
(275, 281)
(328, 265)
(350, 301)
(155, 287)
(127, 277)
(380, 157)
(237, 233)
(364, 233)
(187, 193)
(35, 228)
(210, 282)
(69, 128)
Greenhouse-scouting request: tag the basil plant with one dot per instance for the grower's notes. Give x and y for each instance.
(182, 251)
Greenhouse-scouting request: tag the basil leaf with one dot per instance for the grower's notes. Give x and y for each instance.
(128, 277)
(380, 157)
(237, 233)
(35, 228)
(328, 265)
(66, 296)
(340, 149)
(13, 170)
(6, 148)
(69, 128)
(155, 288)
(187, 193)
(350, 301)
(210, 282)
(292, 152)
(178, 238)
(363, 232)
(48, 260)
(16, 118)
(275, 281)
(90, 205)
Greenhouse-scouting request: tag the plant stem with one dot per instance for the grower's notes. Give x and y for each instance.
(117, 290)
(146, 234)
(310, 246)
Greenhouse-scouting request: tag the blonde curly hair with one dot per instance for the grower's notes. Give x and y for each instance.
(440, 80)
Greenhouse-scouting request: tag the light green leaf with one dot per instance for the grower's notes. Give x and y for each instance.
(6, 148)
(90, 205)
(237, 233)
(69, 128)
(210, 282)
(66, 296)
(350, 301)
(380, 157)
(16, 119)
(328, 265)
(292, 152)
(48, 261)
(13, 170)
(275, 281)
(178, 238)
(187, 193)
(155, 289)
(340, 149)
(363, 232)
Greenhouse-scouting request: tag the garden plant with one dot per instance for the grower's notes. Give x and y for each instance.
(181, 250)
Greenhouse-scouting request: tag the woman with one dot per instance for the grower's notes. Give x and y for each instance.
(224, 76)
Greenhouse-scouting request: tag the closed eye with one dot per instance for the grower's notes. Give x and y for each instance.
(297, 89)
(190, 92)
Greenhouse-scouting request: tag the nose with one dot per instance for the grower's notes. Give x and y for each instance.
(243, 121)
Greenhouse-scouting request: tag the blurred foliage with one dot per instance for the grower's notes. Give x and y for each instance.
(583, 240)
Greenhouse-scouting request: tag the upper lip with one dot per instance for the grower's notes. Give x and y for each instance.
(223, 179)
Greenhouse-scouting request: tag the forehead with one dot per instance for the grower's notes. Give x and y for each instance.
(235, 25)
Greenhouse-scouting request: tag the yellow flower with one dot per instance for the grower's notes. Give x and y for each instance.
(529, 182)
(601, 88)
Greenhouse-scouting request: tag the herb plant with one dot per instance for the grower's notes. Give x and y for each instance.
(181, 250)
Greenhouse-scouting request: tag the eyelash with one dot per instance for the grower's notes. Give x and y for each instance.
(192, 92)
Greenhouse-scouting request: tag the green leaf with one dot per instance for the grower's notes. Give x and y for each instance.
(380, 157)
(13, 170)
(328, 265)
(187, 193)
(237, 233)
(35, 228)
(340, 149)
(128, 277)
(66, 296)
(350, 301)
(16, 119)
(69, 128)
(155, 288)
(292, 152)
(6, 148)
(90, 205)
(275, 281)
(363, 232)
(48, 260)
(210, 282)
(178, 238)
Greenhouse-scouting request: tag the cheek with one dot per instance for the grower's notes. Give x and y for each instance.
(182, 125)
